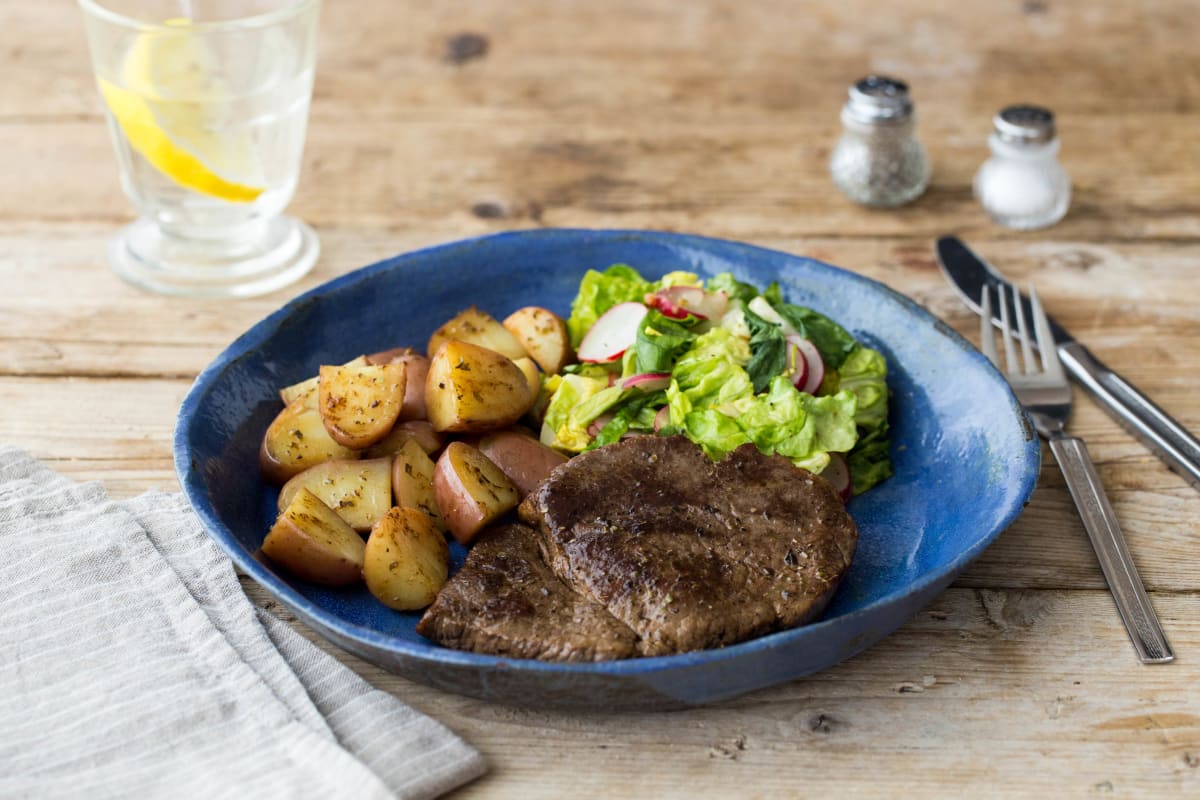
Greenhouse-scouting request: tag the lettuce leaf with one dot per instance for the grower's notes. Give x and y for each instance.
(803, 428)
(625, 413)
(600, 291)
(710, 375)
(661, 340)
(737, 290)
(870, 461)
(768, 350)
(577, 402)
(864, 372)
(832, 340)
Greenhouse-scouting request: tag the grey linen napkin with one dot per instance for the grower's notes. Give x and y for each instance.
(133, 665)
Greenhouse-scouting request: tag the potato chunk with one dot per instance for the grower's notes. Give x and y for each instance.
(314, 543)
(360, 492)
(470, 491)
(412, 481)
(297, 440)
(470, 389)
(523, 459)
(479, 328)
(414, 387)
(308, 388)
(543, 335)
(406, 561)
(361, 404)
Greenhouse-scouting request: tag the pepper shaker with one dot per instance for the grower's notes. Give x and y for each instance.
(878, 161)
(1022, 185)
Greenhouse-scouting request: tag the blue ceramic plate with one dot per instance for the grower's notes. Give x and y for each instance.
(965, 459)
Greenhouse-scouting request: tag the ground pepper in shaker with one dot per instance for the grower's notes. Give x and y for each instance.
(879, 161)
(1022, 185)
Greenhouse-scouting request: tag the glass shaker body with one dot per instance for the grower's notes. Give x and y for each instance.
(878, 161)
(1022, 185)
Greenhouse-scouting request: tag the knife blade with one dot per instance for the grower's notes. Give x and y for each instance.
(1155, 428)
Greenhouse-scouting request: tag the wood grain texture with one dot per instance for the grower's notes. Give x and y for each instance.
(713, 117)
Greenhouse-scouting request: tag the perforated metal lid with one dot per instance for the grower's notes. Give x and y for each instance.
(1025, 124)
(878, 98)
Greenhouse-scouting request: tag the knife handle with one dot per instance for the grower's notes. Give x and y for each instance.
(1169, 440)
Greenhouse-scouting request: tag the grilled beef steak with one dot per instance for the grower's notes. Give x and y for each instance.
(506, 601)
(647, 547)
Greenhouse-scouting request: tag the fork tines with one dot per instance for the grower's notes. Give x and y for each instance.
(1048, 364)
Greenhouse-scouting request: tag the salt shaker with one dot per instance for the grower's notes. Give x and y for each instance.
(879, 161)
(1022, 185)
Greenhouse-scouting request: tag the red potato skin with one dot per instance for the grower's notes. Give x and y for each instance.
(463, 516)
(414, 389)
(526, 461)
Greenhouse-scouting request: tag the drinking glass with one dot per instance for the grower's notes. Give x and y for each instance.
(207, 104)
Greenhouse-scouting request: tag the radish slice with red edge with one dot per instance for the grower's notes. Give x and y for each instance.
(838, 474)
(662, 419)
(812, 358)
(612, 334)
(678, 302)
(796, 365)
(647, 381)
(595, 426)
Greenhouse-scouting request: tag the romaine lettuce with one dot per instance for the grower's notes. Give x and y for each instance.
(864, 372)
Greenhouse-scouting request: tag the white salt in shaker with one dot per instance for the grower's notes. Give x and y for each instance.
(879, 161)
(1022, 185)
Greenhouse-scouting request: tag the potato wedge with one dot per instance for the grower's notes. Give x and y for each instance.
(361, 404)
(479, 328)
(471, 389)
(543, 335)
(308, 387)
(412, 481)
(406, 561)
(532, 376)
(470, 491)
(360, 492)
(418, 430)
(414, 387)
(314, 543)
(297, 440)
(523, 459)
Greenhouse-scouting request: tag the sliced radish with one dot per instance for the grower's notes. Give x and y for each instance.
(595, 426)
(647, 381)
(796, 365)
(612, 334)
(812, 358)
(838, 474)
(680, 301)
(662, 419)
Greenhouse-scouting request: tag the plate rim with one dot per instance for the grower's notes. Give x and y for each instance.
(192, 482)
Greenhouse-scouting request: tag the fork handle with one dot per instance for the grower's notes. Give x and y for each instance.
(1107, 540)
(1165, 437)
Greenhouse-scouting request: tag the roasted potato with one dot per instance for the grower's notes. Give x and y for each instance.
(471, 389)
(414, 387)
(479, 328)
(412, 481)
(297, 440)
(314, 543)
(532, 376)
(361, 404)
(418, 430)
(470, 491)
(360, 492)
(543, 335)
(406, 560)
(309, 387)
(523, 459)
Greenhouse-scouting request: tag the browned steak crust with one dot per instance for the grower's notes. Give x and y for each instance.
(506, 601)
(688, 553)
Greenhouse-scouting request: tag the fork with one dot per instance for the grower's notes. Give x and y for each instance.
(1046, 396)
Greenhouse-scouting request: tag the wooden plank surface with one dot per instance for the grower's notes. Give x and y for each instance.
(713, 117)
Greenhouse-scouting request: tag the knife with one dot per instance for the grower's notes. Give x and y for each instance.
(1165, 437)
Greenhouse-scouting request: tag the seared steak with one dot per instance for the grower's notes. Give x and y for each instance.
(506, 601)
(689, 553)
(646, 547)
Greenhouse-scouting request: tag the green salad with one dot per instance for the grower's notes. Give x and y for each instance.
(724, 364)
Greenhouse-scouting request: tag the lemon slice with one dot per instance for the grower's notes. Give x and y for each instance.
(170, 111)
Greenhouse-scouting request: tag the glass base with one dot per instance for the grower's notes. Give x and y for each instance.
(255, 260)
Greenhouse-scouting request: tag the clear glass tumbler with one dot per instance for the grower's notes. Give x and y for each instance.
(207, 103)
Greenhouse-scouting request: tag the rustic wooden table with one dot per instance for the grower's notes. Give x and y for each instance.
(432, 122)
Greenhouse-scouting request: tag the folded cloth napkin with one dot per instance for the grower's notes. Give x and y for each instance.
(133, 665)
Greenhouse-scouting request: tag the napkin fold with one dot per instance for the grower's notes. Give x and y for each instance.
(132, 664)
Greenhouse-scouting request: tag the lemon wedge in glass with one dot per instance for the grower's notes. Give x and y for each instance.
(171, 107)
